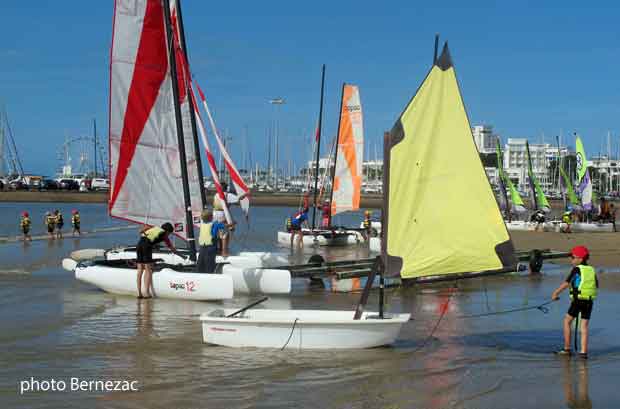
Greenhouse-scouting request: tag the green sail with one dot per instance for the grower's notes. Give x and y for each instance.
(570, 191)
(540, 200)
(515, 197)
(582, 162)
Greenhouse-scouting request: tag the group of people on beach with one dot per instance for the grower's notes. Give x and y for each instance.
(53, 221)
(605, 212)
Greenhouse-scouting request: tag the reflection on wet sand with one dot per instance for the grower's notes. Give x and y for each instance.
(575, 377)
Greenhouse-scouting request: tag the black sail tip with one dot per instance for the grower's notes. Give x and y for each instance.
(444, 62)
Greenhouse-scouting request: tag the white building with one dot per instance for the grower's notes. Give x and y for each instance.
(484, 138)
(608, 170)
(541, 154)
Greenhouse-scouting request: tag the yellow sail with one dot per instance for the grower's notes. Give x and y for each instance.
(349, 156)
(442, 217)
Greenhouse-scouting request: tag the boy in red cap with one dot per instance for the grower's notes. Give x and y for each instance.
(583, 286)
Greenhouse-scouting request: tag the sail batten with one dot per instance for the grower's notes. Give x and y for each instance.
(433, 173)
(347, 181)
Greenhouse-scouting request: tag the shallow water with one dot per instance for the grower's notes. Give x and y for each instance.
(52, 326)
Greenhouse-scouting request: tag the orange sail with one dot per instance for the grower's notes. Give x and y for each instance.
(348, 170)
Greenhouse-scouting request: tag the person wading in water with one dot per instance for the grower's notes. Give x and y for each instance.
(583, 286)
(149, 238)
(220, 216)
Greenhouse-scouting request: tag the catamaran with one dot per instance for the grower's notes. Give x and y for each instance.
(345, 175)
(429, 153)
(155, 166)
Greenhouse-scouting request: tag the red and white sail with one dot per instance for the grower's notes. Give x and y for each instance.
(348, 173)
(210, 158)
(240, 186)
(145, 170)
(184, 78)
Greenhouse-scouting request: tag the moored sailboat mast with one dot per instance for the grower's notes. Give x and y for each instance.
(318, 148)
(189, 226)
(333, 170)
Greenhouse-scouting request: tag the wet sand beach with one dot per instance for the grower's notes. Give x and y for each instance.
(55, 327)
(604, 247)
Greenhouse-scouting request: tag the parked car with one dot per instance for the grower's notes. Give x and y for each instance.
(100, 184)
(69, 184)
(48, 184)
(18, 185)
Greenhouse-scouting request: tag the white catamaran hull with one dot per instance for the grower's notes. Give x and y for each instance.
(557, 226)
(246, 270)
(300, 329)
(310, 239)
(244, 259)
(167, 283)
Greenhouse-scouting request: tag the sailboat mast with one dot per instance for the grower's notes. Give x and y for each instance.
(557, 138)
(179, 125)
(318, 147)
(500, 180)
(333, 170)
(192, 113)
(531, 175)
(95, 143)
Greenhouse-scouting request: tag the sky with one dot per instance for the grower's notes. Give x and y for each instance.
(532, 69)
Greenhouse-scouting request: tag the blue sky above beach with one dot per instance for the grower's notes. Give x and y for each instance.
(530, 69)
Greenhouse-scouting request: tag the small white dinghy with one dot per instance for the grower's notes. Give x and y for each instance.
(119, 277)
(300, 329)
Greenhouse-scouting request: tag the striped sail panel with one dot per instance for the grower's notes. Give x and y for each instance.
(348, 172)
(183, 77)
(435, 181)
(145, 170)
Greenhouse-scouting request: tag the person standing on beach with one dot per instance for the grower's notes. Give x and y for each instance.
(220, 216)
(150, 237)
(25, 223)
(75, 222)
(50, 223)
(583, 286)
(210, 233)
(59, 222)
(539, 218)
(567, 220)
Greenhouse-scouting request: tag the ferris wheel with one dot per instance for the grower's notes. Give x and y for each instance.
(84, 155)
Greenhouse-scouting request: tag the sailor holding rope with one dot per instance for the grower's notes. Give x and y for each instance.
(583, 286)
